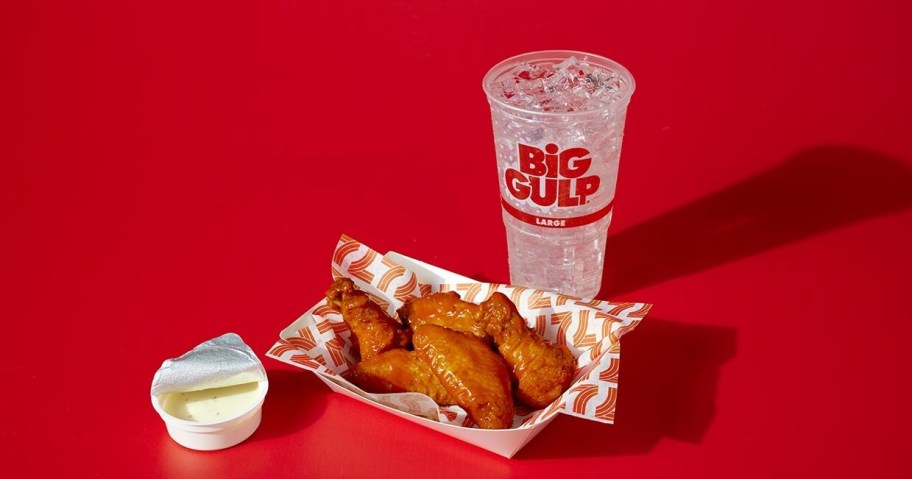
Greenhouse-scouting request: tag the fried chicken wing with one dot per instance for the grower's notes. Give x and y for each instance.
(542, 371)
(474, 375)
(447, 310)
(397, 371)
(373, 331)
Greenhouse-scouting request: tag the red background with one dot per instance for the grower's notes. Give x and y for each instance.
(175, 170)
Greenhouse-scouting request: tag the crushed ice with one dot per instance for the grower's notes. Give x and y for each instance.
(572, 85)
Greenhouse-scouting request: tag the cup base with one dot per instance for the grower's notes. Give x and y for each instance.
(220, 439)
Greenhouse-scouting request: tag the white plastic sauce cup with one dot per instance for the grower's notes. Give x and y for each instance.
(218, 434)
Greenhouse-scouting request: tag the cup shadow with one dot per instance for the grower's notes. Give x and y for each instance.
(814, 191)
(670, 372)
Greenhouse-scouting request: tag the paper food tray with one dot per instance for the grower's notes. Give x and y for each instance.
(318, 341)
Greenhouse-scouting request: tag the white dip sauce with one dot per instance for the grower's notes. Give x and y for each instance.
(212, 404)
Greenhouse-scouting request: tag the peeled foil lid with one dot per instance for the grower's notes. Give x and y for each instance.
(220, 362)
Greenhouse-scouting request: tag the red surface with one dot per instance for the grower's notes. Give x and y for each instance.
(175, 170)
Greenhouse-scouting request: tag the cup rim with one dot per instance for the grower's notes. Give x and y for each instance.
(558, 55)
(263, 386)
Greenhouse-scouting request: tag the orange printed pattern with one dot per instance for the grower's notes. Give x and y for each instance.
(406, 290)
(345, 247)
(358, 268)
(610, 374)
(565, 298)
(325, 311)
(605, 410)
(320, 341)
(388, 277)
(641, 313)
(585, 392)
(581, 338)
(620, 307)
(562, 320)
(516, 293)
(555, 407)
(538, 300)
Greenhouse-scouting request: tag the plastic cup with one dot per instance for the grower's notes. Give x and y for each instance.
(558, 172)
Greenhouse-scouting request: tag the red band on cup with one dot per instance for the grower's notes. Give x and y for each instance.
(556, 222)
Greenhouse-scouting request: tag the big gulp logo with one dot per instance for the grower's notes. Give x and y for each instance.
(549, 177)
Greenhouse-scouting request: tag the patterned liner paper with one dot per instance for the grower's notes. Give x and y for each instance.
(320, 341)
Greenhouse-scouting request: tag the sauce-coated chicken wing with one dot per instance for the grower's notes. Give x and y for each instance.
(447, 310)
(543, 371)
(474, 375)
(397, 371)
(373, 331)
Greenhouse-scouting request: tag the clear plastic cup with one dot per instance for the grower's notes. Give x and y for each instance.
(557, 169)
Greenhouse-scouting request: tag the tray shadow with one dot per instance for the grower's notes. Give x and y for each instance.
(292, 403)
(670, 372)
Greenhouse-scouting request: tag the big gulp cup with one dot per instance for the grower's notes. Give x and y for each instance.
(558, 119)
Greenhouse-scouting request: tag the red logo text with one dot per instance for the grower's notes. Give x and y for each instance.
(551, 177)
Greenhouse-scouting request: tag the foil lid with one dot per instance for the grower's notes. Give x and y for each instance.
(220, 362)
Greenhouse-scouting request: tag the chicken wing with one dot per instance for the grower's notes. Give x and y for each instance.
(447, 310)
(542, 371)
(396, 371)
(474, 375)
(373, 331)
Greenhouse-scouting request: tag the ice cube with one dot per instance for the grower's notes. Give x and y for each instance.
(571, 85)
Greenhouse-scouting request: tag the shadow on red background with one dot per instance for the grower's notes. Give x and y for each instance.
(296, 399)
(812, 192)
(671, 369)
(670, 372)
(294, 402)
